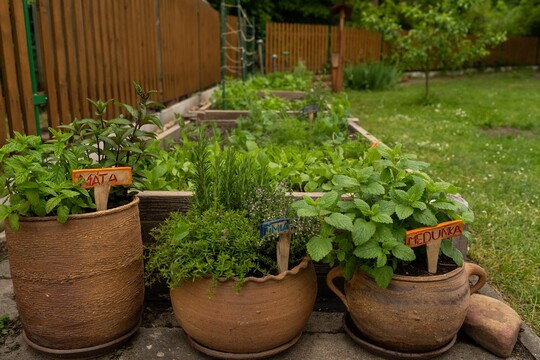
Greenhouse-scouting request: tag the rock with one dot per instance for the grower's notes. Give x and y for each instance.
(492, 324)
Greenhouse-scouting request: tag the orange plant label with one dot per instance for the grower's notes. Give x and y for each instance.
(423, 236)
(96, 177)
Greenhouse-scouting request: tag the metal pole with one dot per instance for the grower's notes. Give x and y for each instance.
(244, 51)
(261, 60)
(240, 42)
(38, 99)
(223, 41)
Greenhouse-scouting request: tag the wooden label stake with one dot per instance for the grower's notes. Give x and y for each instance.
(432, 237)
(283, 249)
(102, 180)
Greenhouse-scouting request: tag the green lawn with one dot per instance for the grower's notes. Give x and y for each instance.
(481, 133)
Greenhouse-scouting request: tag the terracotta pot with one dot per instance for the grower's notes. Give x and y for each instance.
(266, 314)
(415, 313)
(78, 286)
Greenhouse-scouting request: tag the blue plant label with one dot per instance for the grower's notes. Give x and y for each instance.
(310, 109)
(274, 227)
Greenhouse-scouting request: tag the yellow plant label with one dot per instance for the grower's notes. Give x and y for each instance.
(425, 235)
(97, 177)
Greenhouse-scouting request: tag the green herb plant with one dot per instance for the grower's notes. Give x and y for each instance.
(219, 236)
(370, 207)
(35, 176)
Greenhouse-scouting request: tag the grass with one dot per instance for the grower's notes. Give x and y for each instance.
(481, 133)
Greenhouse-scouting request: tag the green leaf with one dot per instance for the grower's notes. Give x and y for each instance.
(307, 212)
(448, 249)
(69, 193)
(328, 200)
(373, 188)
(339, 221)
(419, 205)
(383, 275)
(368, 250)
(13, 220)
(4, 212)
(382, 218)
(311, 186)
(399, 196)
(403, 252)
(308, 200)
(62, 213)
(32, 195)
(52, 203)
(444, 205)
(403, 211)
(345, 181)
(180, 232)
(362, 231)
(318, 247)
(467, 216)
(415, 192)
(346, 206)
(384, 234)
(386, 207)
(362, 206)
(382, 260)
(425, 217)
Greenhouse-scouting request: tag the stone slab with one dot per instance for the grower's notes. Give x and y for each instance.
(7, 299)
(170, 344)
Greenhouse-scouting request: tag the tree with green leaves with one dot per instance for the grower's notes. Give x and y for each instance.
(430, 35)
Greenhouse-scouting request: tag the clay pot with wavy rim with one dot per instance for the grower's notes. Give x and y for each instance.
(414, 313)
(265, 314)
(79, 286)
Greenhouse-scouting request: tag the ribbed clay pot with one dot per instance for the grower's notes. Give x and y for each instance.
(414, 313)
(265, 314)
(79, 286)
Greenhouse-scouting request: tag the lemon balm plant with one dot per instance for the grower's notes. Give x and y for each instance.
(370, 207)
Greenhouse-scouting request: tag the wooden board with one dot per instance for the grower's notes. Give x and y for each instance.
(425, 235)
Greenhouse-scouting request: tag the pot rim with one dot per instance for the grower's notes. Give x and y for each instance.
(430, 278)
(134, 202)
(304, 264)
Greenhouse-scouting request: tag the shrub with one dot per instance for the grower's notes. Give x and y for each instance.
(371, 76)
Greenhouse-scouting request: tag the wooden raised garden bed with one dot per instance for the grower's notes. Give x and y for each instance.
(155, 206)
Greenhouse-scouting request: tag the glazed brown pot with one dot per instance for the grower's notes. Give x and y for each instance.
(78, 286)
(265, 314)
(415, 313)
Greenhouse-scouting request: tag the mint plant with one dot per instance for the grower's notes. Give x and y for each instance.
(35, 176)
(370, 207)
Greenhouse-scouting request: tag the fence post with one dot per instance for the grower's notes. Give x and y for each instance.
(223, 42)
(38, 99)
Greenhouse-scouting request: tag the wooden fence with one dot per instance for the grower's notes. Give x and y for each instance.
(96, 49)
(309, 43)
(518, 51)
(16, 105)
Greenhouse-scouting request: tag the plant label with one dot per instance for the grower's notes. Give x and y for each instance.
(274, 227)
(425, 235)
(95, 177)
(102, 180)
(432, 237)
